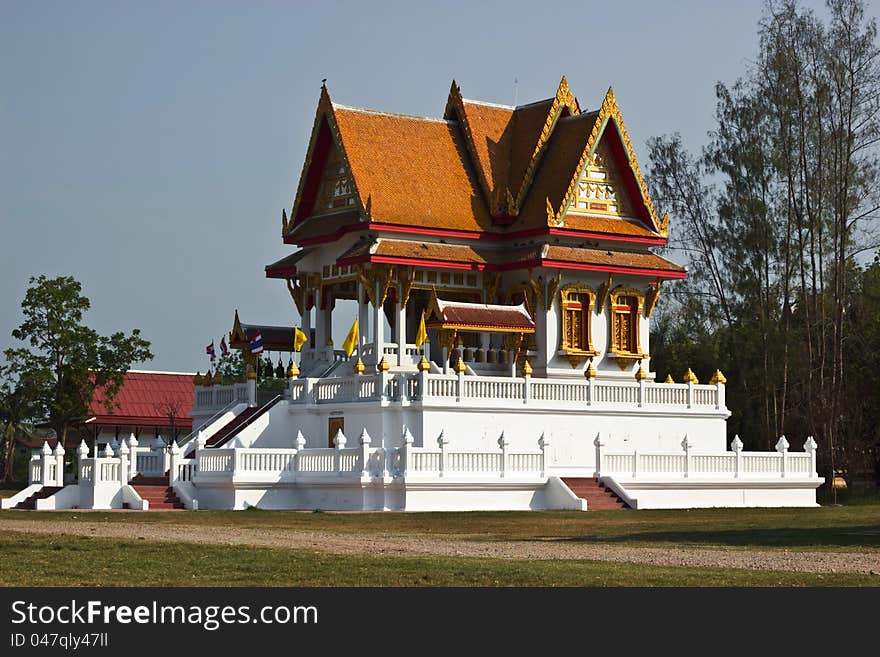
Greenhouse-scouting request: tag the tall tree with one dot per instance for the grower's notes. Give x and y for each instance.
(64, 361)
(774, 212)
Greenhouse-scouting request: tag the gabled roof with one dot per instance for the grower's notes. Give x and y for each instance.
(479, 316)
(275, 338)
(482, 169)
(147, 399)
(486, 258)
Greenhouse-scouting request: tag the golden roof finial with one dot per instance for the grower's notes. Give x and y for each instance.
(424, 365)
(690, 377)
(718, 377)
(359, 367)
(292, 371)
(669, 379)
(641, 374)
(527, 368)
(383, 365)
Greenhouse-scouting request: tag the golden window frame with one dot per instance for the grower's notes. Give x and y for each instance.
(614, 319)
(586, 312)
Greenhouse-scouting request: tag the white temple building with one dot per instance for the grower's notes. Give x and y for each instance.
(519, 238)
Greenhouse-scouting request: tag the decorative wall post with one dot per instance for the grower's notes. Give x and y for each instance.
(599, 443)
(300, 444)
(718, 379)
(123, 463)
(503, 443)
(114, 445)
(45, 461)
(442, 441)
(339, 441)
(132, 451)
(166, 458)
(459, 380)
(641, 376)
(590, 373)
(364, 441)
(810, 447)
(58, 455)
(686, 446)
(527, 380)
(83, 453)
(404, 452)
(424, 368)
(107, 454)
(175, 462)
(782, 448)
(544, 444)
(690, 378)
(737, 446)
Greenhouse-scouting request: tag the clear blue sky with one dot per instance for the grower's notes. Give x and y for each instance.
(147, 148)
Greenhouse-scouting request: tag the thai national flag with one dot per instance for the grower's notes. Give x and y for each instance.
(223, 348)
(257, 343)
(210, 350)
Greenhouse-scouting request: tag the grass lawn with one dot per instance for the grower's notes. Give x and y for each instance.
(841, 528)
(47, 560)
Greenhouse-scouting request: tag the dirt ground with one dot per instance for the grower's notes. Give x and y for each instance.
(459, 546)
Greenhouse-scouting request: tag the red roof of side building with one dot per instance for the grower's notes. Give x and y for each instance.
(147, 399)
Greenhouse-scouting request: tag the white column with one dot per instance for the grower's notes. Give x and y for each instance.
(544, 444)
(46, 460)
(442, 442)
(401, 331)
(737, 446)
(378, 324)
(175, 461)
(503, 443)
(132, 450)
(782, 448)
(123, 463)
(365, 456)
(599, 443)
(59, 464)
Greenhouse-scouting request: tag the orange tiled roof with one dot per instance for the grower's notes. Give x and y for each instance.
(455, 174)
(412, 171)
(486, 257)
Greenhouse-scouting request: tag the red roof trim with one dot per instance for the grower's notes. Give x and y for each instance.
(538, 262)
(473, 235)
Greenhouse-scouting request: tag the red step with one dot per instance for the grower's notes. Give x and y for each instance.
(159, 496)
(43, 493)
(597, 496)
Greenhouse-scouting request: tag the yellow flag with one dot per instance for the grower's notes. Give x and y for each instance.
(299, 339)
(422, 334)
(351, 340)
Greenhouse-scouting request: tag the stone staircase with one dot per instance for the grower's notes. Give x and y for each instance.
(157, 492)
(597, 496)
(43, 493)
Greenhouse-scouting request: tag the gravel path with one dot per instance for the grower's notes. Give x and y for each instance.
(459, 546)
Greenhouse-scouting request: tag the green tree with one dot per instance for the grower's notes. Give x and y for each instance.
(63, 361)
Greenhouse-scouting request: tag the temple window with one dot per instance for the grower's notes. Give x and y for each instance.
(577, 306)
(626, 308)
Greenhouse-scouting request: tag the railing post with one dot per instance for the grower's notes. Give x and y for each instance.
(686, 446)
(108, 454)
(641, 392)
(364, 441)
(782, 448)
(690, 394)
(339, 441)
(175, 462)
(503, 443)
(423, 385)
(384, 383)
(300, 444)
(404, 452)
(459, 380)
(132, 449)
(737, 446)
(59, 464)
(544, 444)
(166, 458)
(599, 443)
(527, 382)
(235, 458)
(442, 441)
(46, 453)
(635, 464)
(123, 463)
(83, 453)
(810, 447)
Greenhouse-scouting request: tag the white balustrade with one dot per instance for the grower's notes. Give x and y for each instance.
(730, 464)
